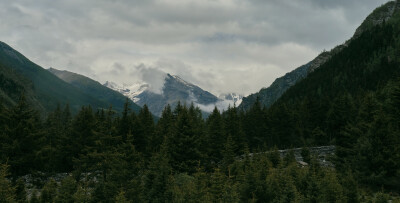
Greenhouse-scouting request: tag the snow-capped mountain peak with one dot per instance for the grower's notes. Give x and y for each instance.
(132, 91)
(174, 90)
(180, 80)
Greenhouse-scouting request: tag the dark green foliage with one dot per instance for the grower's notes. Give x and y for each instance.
(214, 137)
(126, 122)
(34, 197)
(20, 191)
(274, 157)
(108, 168)
(233, 127)
(156, 181)
(228, 154)
(184, 141)
(144, 132)
(255, 126)
(289, 158)
(7, 192)
(306, 154)
(120, 198)
(49, 191)
(66, 190)
(21, 138)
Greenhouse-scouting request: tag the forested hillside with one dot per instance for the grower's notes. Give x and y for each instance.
(267, 96)
(111, 158)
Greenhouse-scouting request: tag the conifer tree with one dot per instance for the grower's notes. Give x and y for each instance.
(185, 153)
(233, 126)
(24, 128)
(331, 190)
(66, 190)
(306, 154)
(34, 197)
(217, 186)
(156, 181)
(275, 157)
(83, 138)
(7, 192)
(215, 137)
(20, 190)
(144, 132)
(82, 194)
(5, 139)
(50, 154)
(164, 127)
(289, 158)
(125, 122)
(255, 126)
(120, 198)
(49, 191)
(228, 154)
(341, 112)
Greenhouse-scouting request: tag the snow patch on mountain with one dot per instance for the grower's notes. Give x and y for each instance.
(232, 98)
(225, 101)
(132, 91)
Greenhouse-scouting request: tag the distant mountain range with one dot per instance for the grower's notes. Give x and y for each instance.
(267, 96)
(174, 90)
(43, 90)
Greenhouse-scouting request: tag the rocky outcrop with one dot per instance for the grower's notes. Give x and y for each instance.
(322, 153)
(378, 16)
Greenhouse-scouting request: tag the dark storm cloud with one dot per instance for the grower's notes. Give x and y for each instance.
(212, 43)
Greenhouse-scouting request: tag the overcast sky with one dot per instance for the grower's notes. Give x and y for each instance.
(221, 45)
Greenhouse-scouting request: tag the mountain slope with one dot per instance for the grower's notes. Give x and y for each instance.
(267, 96)
(13, 85)
(351, 101)
(43, 88)
(323, 106)
(270, 94)
(94, 89)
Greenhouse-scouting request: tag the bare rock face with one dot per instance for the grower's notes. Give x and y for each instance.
(378, 16)
(323, 154)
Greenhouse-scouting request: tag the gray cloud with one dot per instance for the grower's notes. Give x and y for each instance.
(220, 45)
(152, 76)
